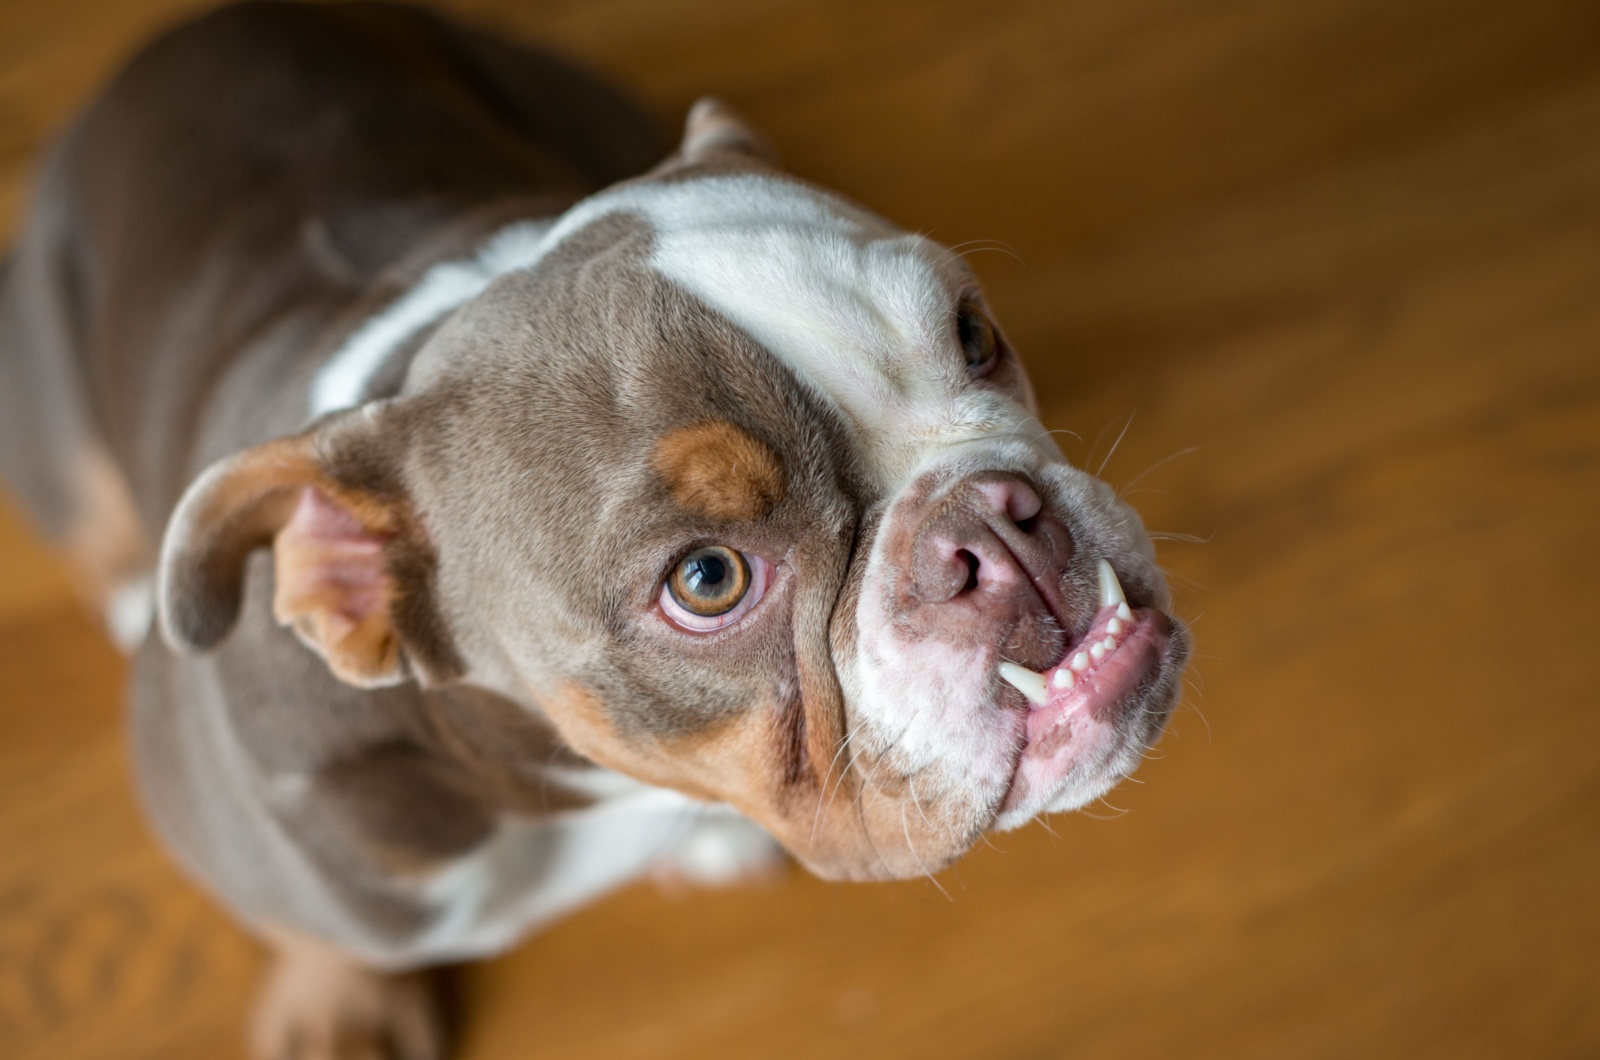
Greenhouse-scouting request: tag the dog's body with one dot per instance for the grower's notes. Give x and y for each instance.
(326, 280)
(187, 320)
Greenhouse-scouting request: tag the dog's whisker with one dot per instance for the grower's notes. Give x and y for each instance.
(912, 849)
(974, 246)
(1163, 462)
(817, 819)
(1114, 445)
(866, 832)
(1185, 580)
(911, 785)
(1116, 811)
(1204, 721)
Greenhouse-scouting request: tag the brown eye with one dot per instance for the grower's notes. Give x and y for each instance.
(709, 581)
(976, 336)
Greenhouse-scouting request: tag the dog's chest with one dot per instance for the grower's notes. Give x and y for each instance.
(533, 870)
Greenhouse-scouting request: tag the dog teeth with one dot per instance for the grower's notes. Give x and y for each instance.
(1025, 681)
(1110, 588)
(1037, 688)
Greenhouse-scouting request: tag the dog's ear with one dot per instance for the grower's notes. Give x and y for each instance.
(715, 131)
(352, 565)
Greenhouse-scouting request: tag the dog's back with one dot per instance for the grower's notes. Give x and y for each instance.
(251, 188)
(248, 183)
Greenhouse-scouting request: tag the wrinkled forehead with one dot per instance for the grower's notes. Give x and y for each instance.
(592, 371)
(856, 309)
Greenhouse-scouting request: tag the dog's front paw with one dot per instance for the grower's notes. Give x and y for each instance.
(720, 850)
(319, 1004)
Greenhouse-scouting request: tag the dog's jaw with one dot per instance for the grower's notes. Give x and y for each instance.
(938, 710)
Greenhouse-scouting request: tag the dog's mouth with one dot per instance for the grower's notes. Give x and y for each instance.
(1085, 710)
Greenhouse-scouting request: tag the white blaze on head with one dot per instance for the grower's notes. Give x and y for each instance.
(856, 308)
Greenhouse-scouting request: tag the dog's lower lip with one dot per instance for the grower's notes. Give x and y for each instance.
(1096, 708)
(1101, 695)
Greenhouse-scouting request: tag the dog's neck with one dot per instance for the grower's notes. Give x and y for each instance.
(346, 379)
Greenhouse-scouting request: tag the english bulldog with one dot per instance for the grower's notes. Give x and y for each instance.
(525, 507)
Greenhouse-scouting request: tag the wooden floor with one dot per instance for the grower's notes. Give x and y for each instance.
(1338, 262)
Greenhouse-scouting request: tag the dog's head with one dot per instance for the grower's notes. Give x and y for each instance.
(744, 490)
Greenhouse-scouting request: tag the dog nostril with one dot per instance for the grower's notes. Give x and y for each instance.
(1027, 525)
(972, 570)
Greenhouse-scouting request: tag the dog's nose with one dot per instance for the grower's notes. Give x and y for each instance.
(988, 540)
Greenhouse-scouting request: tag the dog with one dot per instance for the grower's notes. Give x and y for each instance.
(499, 504)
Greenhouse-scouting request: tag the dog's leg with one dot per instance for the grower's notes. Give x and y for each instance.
(719, 850)
(111, 554)
(319, 1003)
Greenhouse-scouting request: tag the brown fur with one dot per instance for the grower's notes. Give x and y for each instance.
(718, 470)
(587, 726)
(760, 763)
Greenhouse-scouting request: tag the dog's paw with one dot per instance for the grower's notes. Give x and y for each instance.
(720, 850)
(318, 1004)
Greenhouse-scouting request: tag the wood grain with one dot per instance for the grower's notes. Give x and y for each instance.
(1339, 263)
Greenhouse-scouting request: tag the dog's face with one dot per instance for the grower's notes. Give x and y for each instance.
(744, 490)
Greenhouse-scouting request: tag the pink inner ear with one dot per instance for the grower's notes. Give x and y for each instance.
(333, 564)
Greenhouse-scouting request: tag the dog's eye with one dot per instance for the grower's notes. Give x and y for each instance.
(710, 581)
(712, 587)
(977, 338)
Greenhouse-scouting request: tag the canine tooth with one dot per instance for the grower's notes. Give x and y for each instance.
(1025, 681)
(1097, 652)
(1080, 662)
(1110, 588)
(1123, 613)
(1114, 626)
(1064, 678)
(1108, 643)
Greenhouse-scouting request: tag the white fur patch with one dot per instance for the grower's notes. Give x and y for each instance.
(855, 307)
(532, 871)
(449, 285)
(129, 610)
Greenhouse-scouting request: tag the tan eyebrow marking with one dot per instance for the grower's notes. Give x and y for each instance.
(719, 470)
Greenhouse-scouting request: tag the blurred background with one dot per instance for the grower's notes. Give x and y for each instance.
(1331, 270)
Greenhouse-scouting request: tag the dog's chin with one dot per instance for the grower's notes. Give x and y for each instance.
(1101, 711)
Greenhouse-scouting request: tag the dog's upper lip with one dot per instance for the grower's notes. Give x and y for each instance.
(1047, 589)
